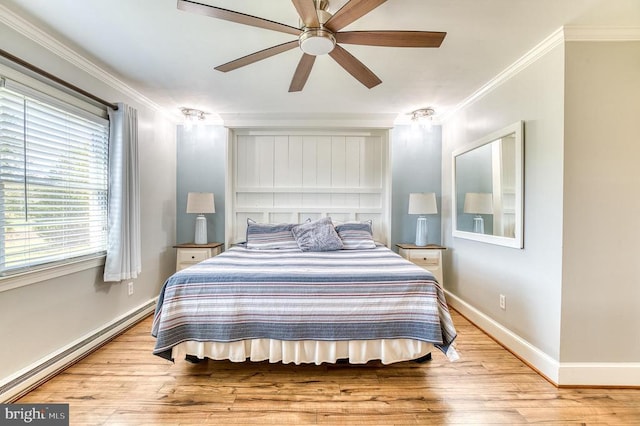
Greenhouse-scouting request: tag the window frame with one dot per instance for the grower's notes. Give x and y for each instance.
(41, 91)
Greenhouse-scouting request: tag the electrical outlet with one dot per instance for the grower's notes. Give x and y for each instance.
(130, 288)
(503, 302)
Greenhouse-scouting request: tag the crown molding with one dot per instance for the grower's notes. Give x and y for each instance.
(27, 29)
(558, 37)
(584, 33)
(308, 120)
(541, 49)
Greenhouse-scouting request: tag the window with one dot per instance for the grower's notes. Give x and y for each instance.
(53, 180)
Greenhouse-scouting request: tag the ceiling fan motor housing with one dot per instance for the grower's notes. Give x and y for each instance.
(323, 15)
(318, 41)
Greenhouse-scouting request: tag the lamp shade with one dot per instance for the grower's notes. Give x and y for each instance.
(478, 203)
(422, 203)
(200, 202)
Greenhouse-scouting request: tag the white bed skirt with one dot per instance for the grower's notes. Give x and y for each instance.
(387, 351)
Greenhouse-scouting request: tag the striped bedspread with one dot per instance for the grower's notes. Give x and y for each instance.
(293, 295)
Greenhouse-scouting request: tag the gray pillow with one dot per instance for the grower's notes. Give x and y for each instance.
(267, 236)
(356, 235)
(319, 235)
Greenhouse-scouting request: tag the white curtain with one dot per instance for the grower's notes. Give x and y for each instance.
(123, 247)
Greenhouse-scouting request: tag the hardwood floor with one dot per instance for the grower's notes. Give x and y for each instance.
(124, 384)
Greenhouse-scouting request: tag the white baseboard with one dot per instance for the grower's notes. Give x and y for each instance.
(29, 377)
(606, 374)
(546, 365)
(597, 374)
(561, 374)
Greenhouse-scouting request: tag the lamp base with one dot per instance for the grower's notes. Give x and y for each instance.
(421, 231)
(478, 225)
(201, 230)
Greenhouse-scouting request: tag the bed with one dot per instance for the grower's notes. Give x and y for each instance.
(285, 304)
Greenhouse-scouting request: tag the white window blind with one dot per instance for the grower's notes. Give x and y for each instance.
(53, 180)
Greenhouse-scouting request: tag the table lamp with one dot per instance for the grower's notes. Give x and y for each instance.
(422, 203)
(200, 203)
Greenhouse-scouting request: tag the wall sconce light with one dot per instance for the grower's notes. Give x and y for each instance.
(192, 116)
(423, 117)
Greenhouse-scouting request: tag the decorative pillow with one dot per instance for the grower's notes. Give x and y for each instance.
(267, 236)
(319, 235)
(356, 235)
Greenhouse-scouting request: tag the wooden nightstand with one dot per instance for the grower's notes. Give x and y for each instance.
(189, 254)
(428, 257)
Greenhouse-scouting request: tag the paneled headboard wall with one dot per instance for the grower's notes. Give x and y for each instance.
(276, 176)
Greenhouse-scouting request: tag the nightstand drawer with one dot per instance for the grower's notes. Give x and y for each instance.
(189, 254)
(424, 258)
(193, 255)
(428, 257)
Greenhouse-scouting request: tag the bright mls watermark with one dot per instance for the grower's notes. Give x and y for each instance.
(34, 414)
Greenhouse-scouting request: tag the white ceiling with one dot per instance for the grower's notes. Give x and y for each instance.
(168, 55)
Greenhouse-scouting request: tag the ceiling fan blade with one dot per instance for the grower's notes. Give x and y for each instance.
(392, 38)
(257, 56)
(351, 11)
(354, 67)
(307, 11)
(302, 73)
(240, 18)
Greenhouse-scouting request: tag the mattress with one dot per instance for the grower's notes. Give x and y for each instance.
(294, 306)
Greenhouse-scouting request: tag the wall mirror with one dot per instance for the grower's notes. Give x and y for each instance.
(488, 188)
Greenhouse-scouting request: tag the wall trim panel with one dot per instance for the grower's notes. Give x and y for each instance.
(289, 175)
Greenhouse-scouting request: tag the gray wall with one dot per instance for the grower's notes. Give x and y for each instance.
(600, 279)
(573, 291)
(200, 153)
(531, 278)
(416, 159)
(416, 162)
(42, 318)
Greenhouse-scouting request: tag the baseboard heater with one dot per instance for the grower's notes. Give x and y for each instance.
(36, 374)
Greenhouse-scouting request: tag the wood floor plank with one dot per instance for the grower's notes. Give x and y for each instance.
(124, 384)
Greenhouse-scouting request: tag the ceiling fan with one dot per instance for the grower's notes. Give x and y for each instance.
(319, 34)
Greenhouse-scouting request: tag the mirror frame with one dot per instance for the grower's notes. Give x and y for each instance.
(518, 240)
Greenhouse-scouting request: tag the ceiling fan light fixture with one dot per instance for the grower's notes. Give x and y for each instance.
(317, 41)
